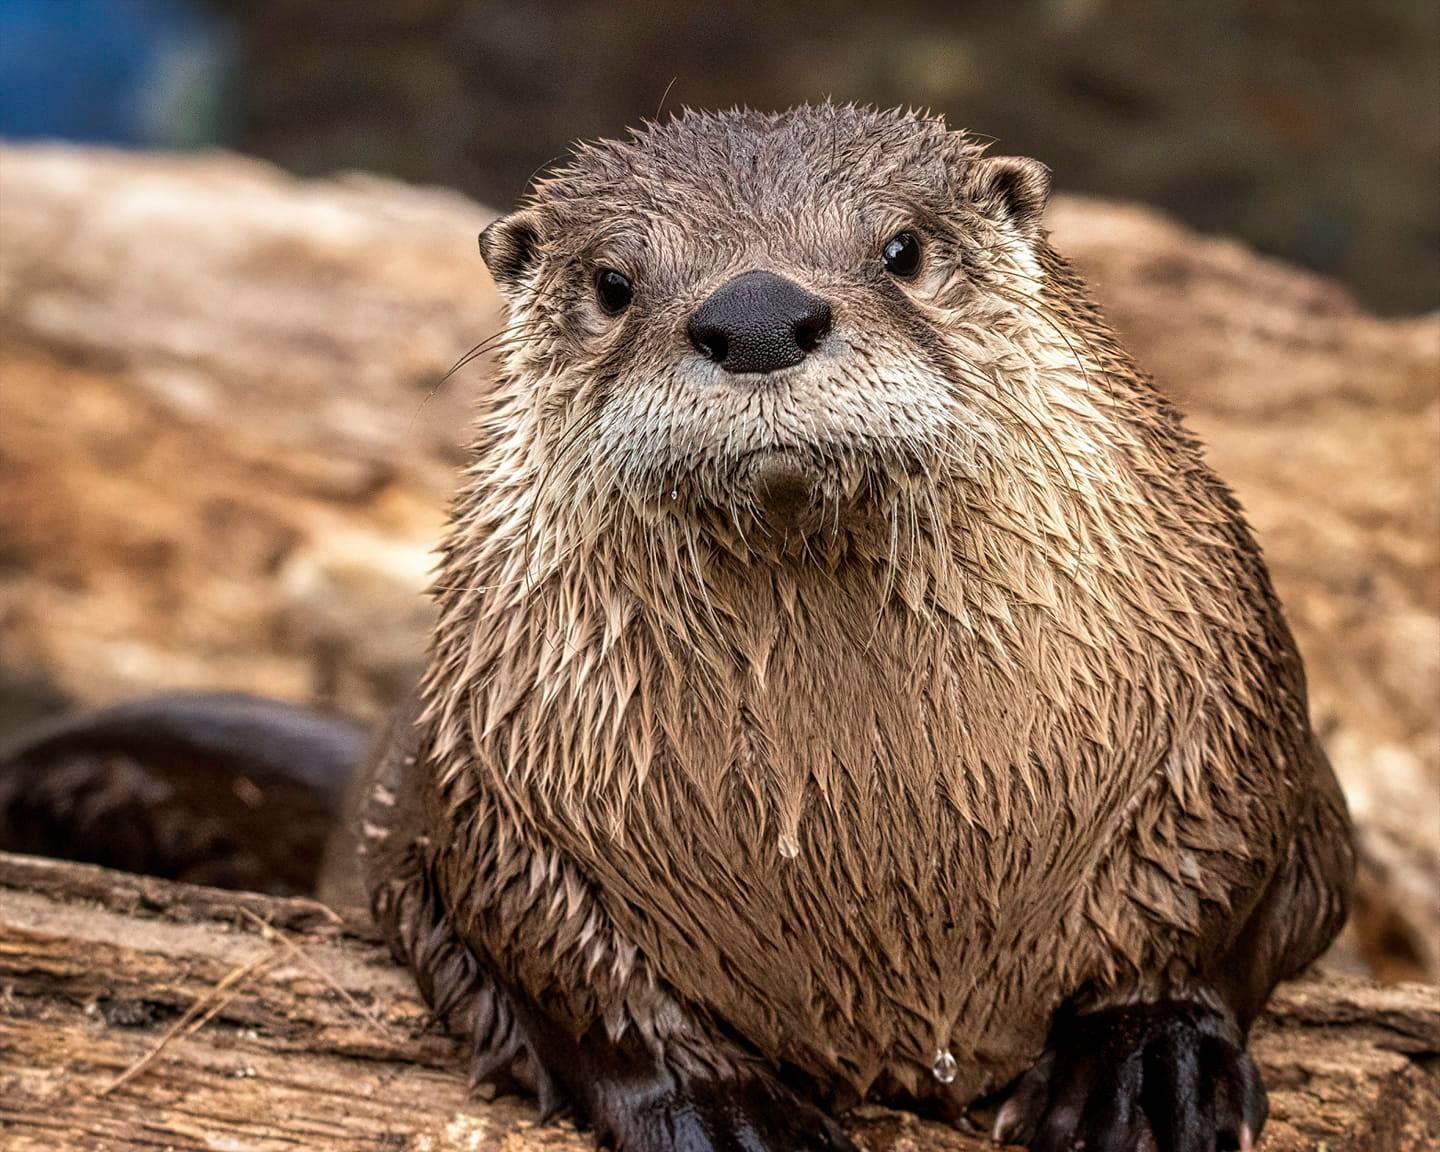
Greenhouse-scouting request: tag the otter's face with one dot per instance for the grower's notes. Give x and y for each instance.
(751, 319)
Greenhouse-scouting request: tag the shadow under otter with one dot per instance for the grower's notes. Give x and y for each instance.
(849, 679)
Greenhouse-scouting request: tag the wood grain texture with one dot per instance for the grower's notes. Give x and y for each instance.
(319, 1041)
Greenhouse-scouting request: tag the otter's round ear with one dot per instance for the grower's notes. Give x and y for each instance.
(1014, 188)
(510, 246)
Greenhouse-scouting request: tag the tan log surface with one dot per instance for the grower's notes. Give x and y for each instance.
(298, 1032)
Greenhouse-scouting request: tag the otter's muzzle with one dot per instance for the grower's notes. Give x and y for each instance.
(759, 322)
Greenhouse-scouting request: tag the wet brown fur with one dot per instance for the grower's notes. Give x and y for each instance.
(1015, 720)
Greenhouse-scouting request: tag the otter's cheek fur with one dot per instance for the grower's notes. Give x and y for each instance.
(1011, 766)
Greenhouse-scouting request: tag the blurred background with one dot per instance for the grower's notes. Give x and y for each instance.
(1310, 128)
(237, 257)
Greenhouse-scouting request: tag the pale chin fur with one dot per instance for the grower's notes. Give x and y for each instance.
(691, 430)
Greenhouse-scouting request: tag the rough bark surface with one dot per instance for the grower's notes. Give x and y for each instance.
(290, 1028)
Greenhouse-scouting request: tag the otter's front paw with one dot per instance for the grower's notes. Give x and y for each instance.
(724, 1116)
(1167, 1076)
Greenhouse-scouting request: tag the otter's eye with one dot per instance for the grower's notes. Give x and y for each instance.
(614, 290)
(902, 255)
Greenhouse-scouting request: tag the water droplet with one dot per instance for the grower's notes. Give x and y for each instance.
(674, 494)
(944, 1067)
(789, 845)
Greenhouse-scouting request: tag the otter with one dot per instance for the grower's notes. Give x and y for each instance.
(849, 681)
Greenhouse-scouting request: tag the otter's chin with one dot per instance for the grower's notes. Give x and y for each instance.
(785, 490)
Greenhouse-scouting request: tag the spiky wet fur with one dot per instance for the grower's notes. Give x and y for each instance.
(1015, 722)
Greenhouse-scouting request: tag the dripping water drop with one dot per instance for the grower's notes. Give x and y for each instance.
(944, 1068)
(789, 845)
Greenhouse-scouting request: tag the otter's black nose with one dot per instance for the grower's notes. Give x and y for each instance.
(759, 322)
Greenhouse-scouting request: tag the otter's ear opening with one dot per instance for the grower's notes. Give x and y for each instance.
(1013, 187)
(510, 246)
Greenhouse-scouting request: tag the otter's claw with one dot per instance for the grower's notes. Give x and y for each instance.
(727, 1116)
(1166, 1076)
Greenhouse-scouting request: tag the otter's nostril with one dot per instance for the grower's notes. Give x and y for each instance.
(811, 329)
(709, 341)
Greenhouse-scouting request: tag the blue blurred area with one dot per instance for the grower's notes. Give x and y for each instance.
(142, 73)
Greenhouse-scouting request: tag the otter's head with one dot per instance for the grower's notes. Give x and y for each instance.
(767, 324)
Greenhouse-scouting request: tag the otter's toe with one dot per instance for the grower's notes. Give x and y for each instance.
(725, 1116)
(1163, 1076)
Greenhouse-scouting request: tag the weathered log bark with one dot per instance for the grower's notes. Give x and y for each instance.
(138, 1014)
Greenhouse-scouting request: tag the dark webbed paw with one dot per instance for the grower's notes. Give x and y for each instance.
(1167, 1076)
(717, 1116)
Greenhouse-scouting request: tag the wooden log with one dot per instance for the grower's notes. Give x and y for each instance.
(137, 1014)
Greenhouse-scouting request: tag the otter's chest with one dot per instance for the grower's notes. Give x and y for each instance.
(861, 864)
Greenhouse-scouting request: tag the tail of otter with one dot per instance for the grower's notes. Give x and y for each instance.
(214, 788)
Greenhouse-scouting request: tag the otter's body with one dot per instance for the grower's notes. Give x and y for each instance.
(990, 714)
(850, 680)
(863, 835)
